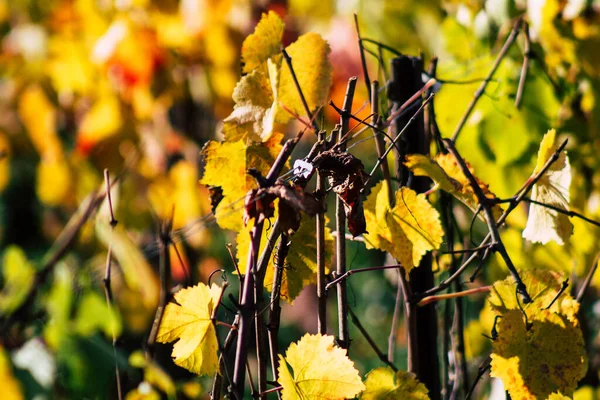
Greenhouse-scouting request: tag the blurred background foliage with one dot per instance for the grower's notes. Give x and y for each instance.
(139, 86)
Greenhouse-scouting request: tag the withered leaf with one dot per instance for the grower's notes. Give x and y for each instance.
(347, 177)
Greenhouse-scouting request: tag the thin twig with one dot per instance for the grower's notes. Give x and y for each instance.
(370, 340)
(354, 271)
(485, 365)
(320, 237)
(410, 121)
(509, 41)
(432, 299)
(164, 236)
(107, 284)
(340, 224)
(379, 142)
(569, 213)
(288, 61)
(588, 279)
(363, 61)
(525, 68)
(484, 201)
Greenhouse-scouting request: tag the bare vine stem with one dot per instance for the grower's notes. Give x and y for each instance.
(107, 285)
(525, 67)
(509, 41)
(432, 299)
(320, 236)
(340, 223)
(363, 61)
(355, 271)
(275, 314)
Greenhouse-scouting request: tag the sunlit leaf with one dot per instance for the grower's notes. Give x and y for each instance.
(18, 276)
(58, 306)
(153, 374)
(407, 231)
(236, 158)
(189, 322)
(264, 43)
(543, 352)
(383, 384)
(314, 368)
(310, 60)
(544, 224)
(446, 174)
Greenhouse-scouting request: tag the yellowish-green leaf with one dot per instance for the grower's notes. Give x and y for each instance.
(558, 396)
(408, 230)
(383, 384)
(301, 261)
(544, 224)
(58, 306)
(93, 314)
(310, 59)
(189, 322)
(264, 43)
(314, 368)
(18, 275)
(236, 158)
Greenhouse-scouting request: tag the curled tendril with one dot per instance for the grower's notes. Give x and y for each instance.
(223, 275)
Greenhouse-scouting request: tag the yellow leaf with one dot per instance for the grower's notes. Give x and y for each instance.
(189, 322)
(407, 231)
(319, 370)
(53, 181)
(11, 387)
(39, 117)
(543, 353)
(537, 360)
(101, 121)
(301, 261)
(236, 158)
(153, 373)
(382, 383)
(70, 68)
(446, 173)
(18, 275)
(264, 43)
(544, 224)
(558, 396)
(310, 59)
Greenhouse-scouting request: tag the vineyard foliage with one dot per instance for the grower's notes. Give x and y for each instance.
(215, 199)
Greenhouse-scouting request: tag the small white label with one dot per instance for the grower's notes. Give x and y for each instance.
(302, 168)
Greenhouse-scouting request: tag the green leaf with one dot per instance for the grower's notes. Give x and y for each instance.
(18, 275)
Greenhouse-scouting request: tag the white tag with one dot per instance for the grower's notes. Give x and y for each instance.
(302, 168)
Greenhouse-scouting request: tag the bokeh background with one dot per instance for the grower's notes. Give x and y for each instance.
(139, 86)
